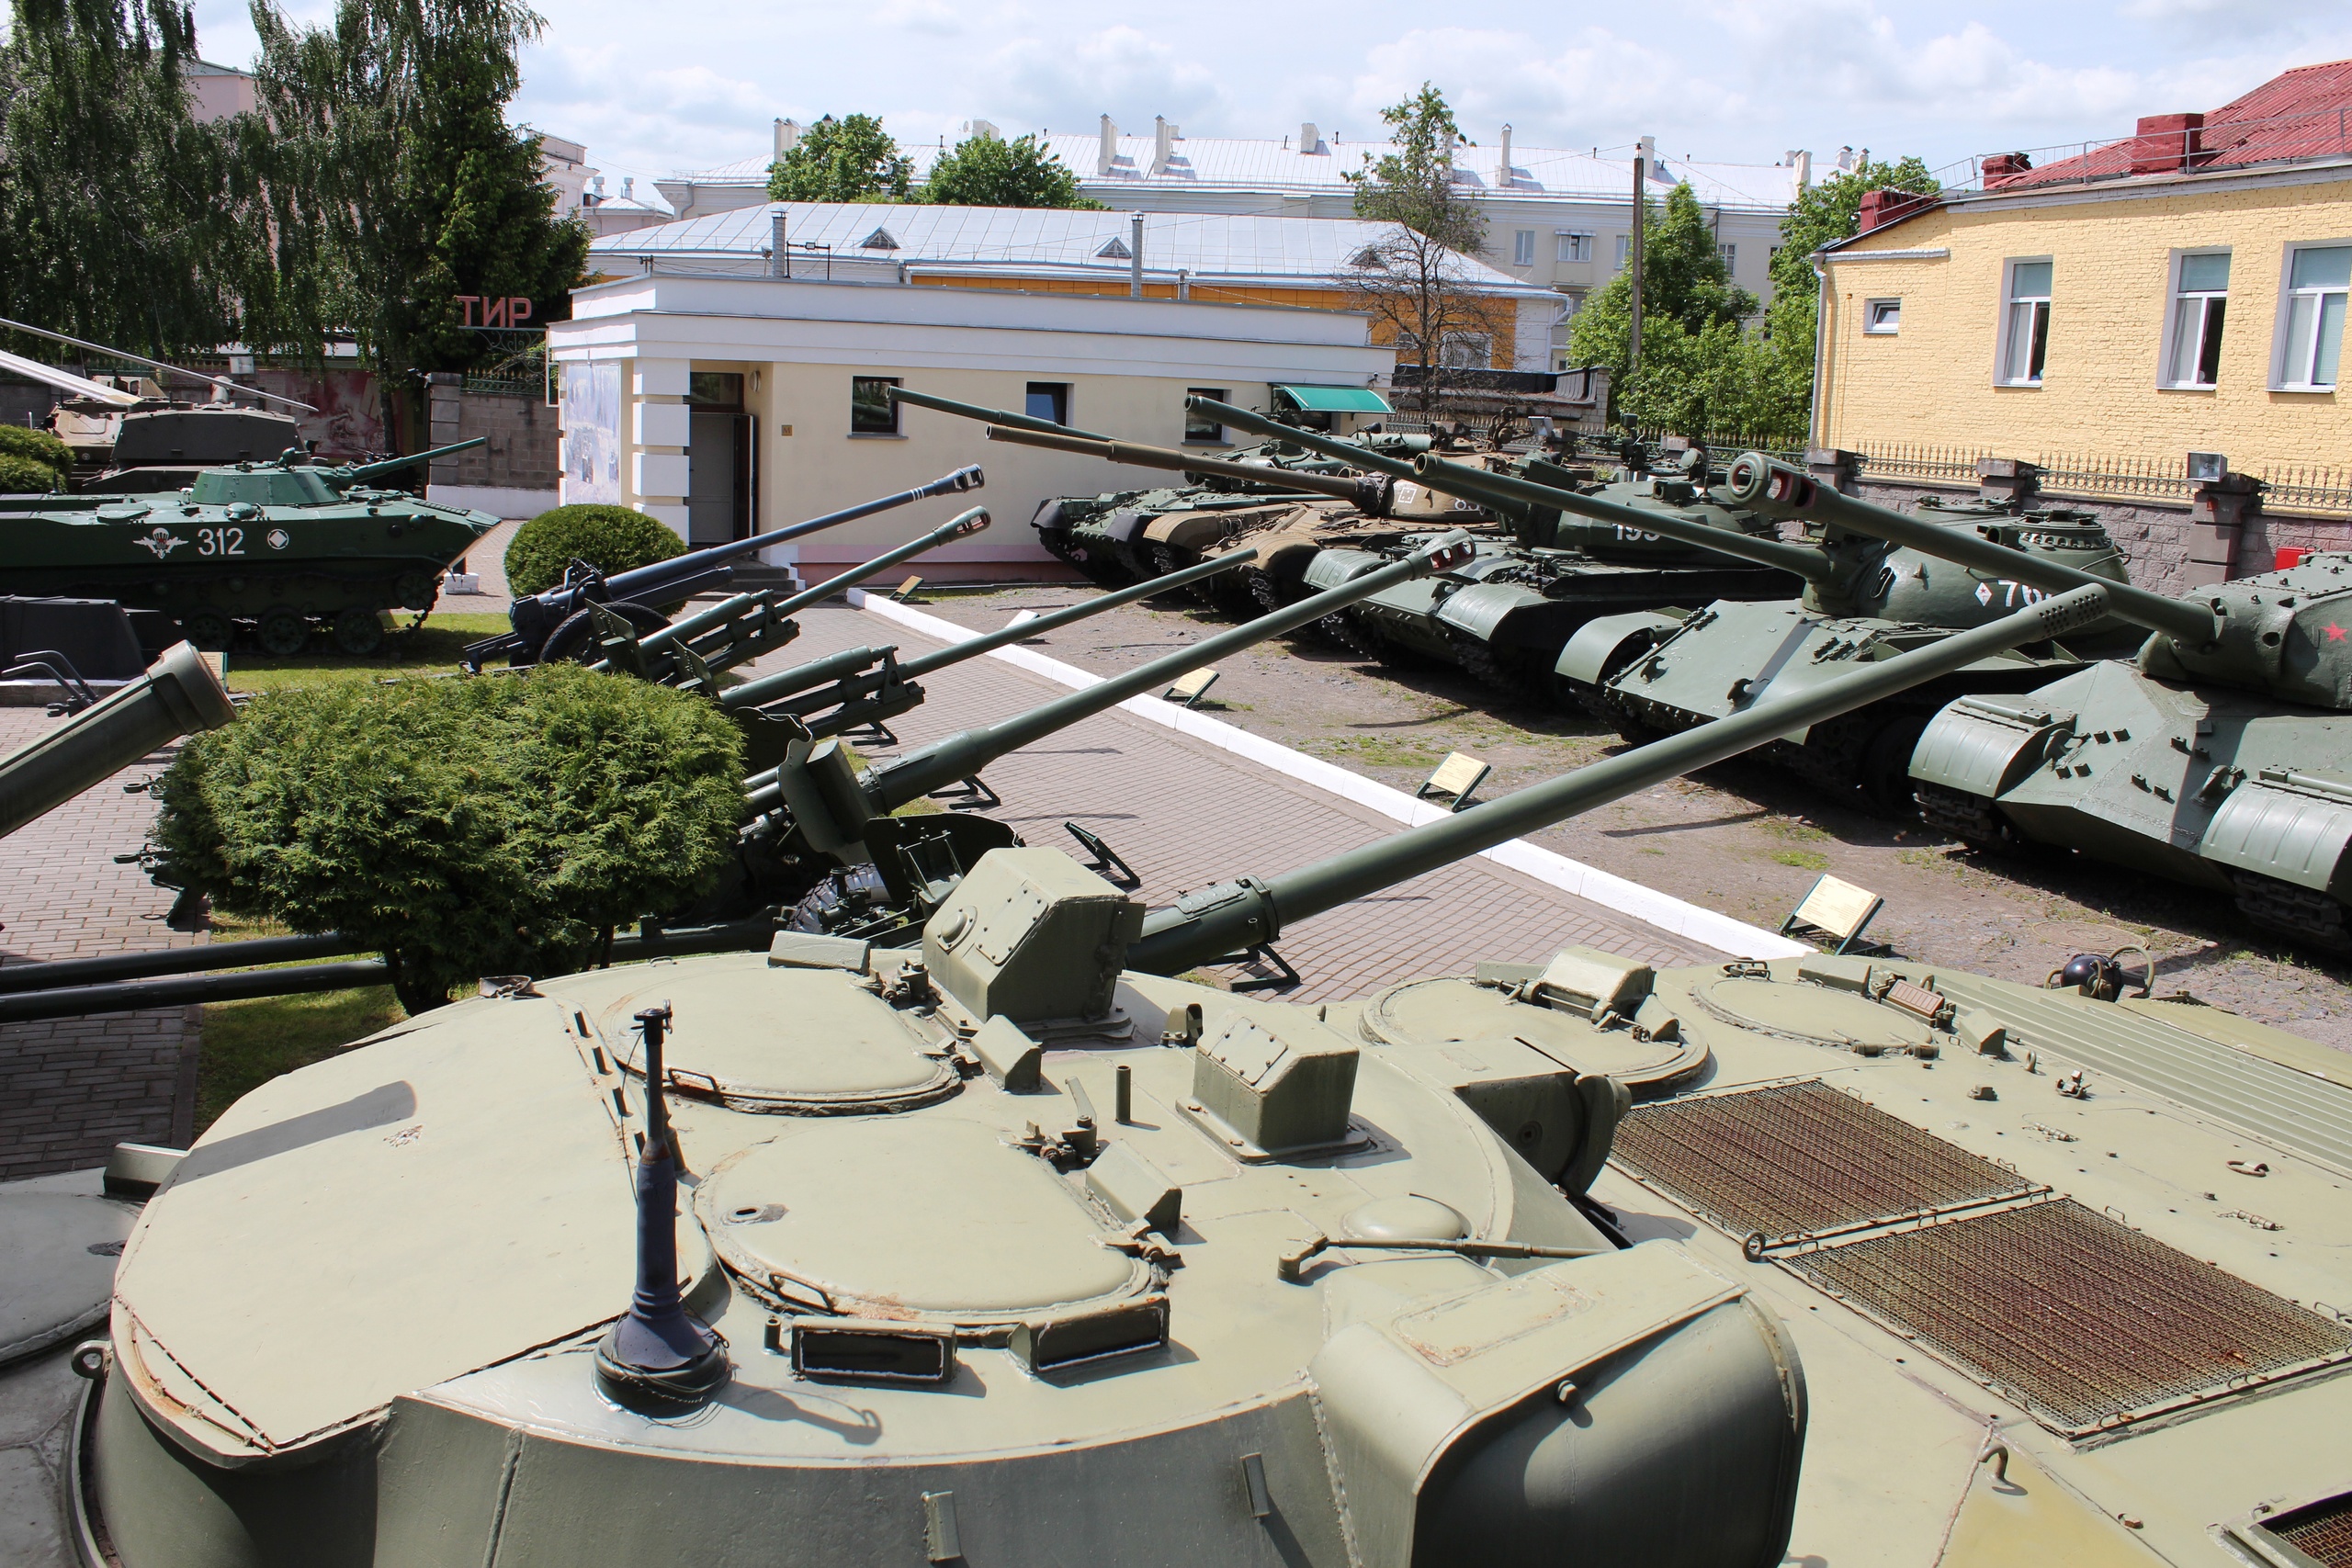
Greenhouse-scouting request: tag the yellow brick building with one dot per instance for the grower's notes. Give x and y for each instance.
(2182, 289)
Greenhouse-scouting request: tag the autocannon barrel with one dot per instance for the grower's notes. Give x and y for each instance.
(394, 465)
(962, 755)
(1368, 494)
(1503, 490)
(177, 696)
(1233, 916)
(1779, 491)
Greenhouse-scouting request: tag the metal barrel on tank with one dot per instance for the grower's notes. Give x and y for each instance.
(1369, 494)
(1205, 926)
(177, 696)
(367, 471)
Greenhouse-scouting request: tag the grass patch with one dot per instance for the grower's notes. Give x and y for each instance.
(433, 648)
(1790, 827)
(1378, 751)
(1803, 860)
(244, 1044)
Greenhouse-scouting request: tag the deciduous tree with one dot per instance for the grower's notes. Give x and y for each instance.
(1415, 276)
(850, 158)
(988, 171)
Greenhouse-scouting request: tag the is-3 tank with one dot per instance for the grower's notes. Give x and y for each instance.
(285, 547)
(1865, 598)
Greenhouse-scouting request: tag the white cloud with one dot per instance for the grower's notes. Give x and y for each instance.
(1054, 81)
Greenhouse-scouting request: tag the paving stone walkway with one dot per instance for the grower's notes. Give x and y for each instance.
(1185, 814)
(72, 1088)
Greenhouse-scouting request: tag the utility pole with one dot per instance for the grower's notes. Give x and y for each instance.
(1645, 150)
(1134, 255)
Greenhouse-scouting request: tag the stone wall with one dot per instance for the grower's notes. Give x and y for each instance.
(522, 454)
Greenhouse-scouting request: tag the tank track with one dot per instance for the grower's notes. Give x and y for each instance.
(2304, 915)
(1348, 633)
(1968, 817)
(1495, 668)
(1163, 561)
(1263, 589)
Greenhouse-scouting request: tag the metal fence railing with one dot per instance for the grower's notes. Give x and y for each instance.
(2286, 487)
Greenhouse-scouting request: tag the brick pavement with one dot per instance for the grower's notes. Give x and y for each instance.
(1183, 813)
(72, 1088)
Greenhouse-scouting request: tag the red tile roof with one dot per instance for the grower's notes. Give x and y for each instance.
(2305, 113)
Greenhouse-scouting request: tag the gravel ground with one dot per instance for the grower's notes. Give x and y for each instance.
(1739, 838)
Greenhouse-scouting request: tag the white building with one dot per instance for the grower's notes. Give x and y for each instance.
(724, 404)
(1557, 218)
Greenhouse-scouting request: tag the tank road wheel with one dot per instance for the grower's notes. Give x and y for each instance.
(1886, 766)
(1970, 818)
(208, 629)
(281, 632)
(359, 633)
(2305, 916)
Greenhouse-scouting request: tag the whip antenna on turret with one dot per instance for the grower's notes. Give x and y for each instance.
(659, 1360)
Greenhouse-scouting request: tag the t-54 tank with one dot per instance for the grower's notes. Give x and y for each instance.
(285, 547)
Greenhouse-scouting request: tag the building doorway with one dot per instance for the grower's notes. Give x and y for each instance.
(719, 499)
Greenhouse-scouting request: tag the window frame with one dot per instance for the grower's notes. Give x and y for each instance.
(1060, 391)
(2282, 341)
(1195, 424)
(2039, 348)
(1624, 252)
(2209, 346)
(1522, 247)
(1729, 251)
(1871, 327)
(895, 408)
(1567, 243)
(1484, 359)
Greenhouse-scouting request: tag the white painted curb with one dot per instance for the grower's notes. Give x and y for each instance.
(1660, 910)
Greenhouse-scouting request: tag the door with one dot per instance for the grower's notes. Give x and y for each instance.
(719, 487)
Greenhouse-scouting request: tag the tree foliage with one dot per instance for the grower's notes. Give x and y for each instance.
(118, 214)
(1414, 277)
(850, 158)
(465, 827)
(613, 538)
(33, 461)
(988, 171)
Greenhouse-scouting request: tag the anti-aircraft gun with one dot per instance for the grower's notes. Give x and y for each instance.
(2220, 756)
(1867, 596)
(557, 623)
(1005, 1220)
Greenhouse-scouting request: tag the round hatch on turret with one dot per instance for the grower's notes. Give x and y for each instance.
(1816, 1014)
(789, 1041)
(918, 1218)
(1445, 1012)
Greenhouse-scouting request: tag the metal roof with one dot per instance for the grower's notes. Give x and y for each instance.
(2299, 114)
(1209, 245)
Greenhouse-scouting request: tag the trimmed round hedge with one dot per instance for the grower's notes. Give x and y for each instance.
(493, 826)
(611, 538)
(20, 445)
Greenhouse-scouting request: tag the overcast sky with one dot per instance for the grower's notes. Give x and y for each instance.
(655, 88)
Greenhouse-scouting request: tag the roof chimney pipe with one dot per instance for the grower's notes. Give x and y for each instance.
(1108, 154)
(1503, 175)
(787, 136)
(1309, 139)
(1163, 143)
(779, 259)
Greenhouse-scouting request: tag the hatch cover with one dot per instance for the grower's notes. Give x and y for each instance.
(2322, 1531)
(781, 1040)
(917, 1218)
(1815, 1014)
(1794, 1160)
(2085, 1323)
(1442, 1011)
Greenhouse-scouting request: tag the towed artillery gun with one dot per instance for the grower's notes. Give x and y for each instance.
(984, 1234)
(1868, 596)
(285, 546)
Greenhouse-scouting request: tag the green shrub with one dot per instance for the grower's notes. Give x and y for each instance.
(27, 476)
(465, 827)
(612, 537)
(40, 446)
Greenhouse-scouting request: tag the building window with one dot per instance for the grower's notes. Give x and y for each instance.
(1572, 246)
(2201, 295)
(1203, 427)
(871, 412)
(1523, 248)
(1576, 298)
(1624, 250)
(1731, 256)
(2025, 326)
(2317, 279)
(1465, 351)
(1883, 316)
(718, 389)
(1049, 400)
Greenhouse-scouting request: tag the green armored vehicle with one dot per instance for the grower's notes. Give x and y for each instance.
(286, 548)
(1865, 599)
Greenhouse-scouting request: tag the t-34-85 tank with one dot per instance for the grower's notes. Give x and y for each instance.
(994, 1248)
(285, 547)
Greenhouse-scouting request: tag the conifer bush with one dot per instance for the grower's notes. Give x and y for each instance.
(32, 462)
(491, 826)
(614, 538)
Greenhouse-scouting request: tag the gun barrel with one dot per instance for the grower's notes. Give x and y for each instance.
(394, 465)
(1493, 490)
(961, 756)
(1780, 490)
(963, 525)
(177, 696)
(1233, 916)
(1312, 441)
(1186, 462)
(985, 415)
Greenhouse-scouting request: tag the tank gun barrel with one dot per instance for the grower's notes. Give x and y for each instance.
(177, 696)
(1505, 490)
(1365, 493)
(1780, 490)
(1205, 926)
(394, 465)
(1310, 440)
(961, 756)
(963, 525)
(985, 415)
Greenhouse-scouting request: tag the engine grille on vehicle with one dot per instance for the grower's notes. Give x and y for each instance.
(1797, 1159)
(2321, 1531)
(2084, 1322)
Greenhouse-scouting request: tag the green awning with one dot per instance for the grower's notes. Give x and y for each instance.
(1336, 399)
